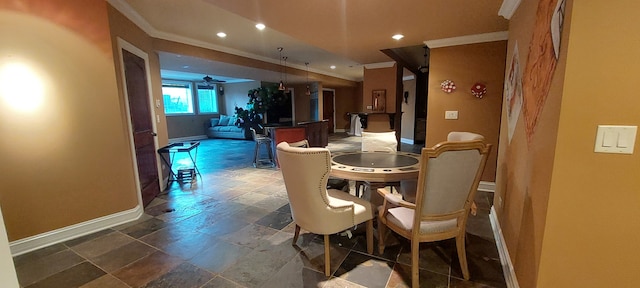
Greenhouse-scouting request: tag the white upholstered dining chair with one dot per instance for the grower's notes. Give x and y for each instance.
(313, 207)
(408, 187)
(447, 182)
(377, 141)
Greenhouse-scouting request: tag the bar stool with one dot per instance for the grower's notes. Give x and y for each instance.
(261, 140)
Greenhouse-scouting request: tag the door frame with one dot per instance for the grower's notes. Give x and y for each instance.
(333, 100)
(122, 44)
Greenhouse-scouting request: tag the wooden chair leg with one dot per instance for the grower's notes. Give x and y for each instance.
(370, 236)
(381, 232)
(415, 270)
(327, 257)
(295, 235)
(462, 255)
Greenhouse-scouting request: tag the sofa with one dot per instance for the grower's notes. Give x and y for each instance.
(225, 127)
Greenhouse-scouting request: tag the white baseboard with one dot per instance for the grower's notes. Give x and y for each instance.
(407, 141)
(507, 266)
(340, 130)
(32, 243)
(189, 138)
(487, 186)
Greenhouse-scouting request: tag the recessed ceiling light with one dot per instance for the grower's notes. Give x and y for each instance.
(260, 26)
(397, 36)
(222, 34)
(185, 66)
(333, 67)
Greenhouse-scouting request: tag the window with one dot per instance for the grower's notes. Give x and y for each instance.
(207, 99)
(177, 97)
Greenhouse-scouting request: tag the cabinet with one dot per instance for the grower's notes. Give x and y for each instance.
(317, 132)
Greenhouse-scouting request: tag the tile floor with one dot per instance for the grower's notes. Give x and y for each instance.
(232, 228)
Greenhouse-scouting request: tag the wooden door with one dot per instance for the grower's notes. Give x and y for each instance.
(328, 108)
(141, 125)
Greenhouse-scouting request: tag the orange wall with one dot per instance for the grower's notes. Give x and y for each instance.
(569, 216)
(465, 65)
(347, 100)
(593, 220)
(379, 79)
(524, 169)
(60, 160)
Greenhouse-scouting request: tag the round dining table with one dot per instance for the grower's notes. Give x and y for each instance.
(375, 166)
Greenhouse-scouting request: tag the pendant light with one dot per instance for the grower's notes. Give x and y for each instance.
(308, 92)
(285, 70)
(424, 68)
(281, 86)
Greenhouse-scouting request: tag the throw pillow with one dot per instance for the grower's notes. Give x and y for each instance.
(224, 120)
(232, 120)
(214, 121)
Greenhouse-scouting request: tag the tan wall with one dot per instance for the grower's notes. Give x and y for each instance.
(60, 160)
(379, 79)
(569, 214)
(524, 170)
(465, 65)
(347, 100)
(593, 228)
(301, 102)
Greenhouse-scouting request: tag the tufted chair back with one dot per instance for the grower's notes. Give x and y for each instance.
(305, 172)
(314, 208)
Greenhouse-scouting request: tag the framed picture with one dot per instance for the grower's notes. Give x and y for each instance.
(379, 100)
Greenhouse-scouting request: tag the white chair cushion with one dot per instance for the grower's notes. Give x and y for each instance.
(362, 209)
(403, 217)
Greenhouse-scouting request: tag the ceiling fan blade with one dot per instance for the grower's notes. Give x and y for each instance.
(208, 80)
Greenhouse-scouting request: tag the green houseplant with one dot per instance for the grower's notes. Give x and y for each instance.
(260, 101)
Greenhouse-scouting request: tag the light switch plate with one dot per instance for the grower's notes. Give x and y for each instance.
(615, 139)
(451, 115)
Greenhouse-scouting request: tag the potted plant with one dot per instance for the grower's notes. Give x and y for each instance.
(260, 100)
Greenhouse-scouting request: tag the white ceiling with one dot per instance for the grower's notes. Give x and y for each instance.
(349, 34)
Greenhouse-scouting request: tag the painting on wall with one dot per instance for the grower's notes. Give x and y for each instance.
(378, 100)
(513, 92)
(541, 60)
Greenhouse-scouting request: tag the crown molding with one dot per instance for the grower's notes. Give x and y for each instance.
(468, 39)
(508, 8)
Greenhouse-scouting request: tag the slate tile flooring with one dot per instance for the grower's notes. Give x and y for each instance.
(232, 228)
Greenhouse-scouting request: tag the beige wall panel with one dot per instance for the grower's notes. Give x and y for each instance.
(465, 65)
(68, 160)
(379, 79)
(594, 201)
(347, 100)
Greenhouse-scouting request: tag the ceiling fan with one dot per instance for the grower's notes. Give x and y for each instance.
(209, 81)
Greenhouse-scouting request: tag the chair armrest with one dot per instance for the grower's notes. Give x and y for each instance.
(337, 203)
(395, 199)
